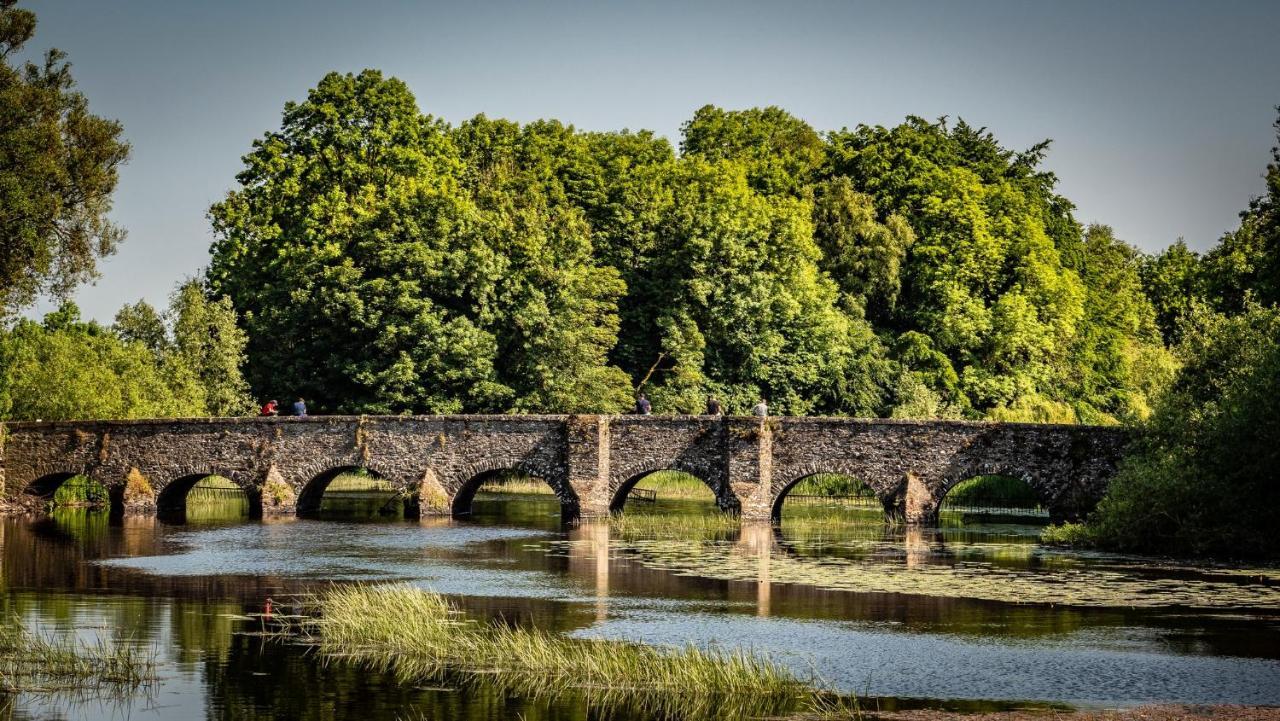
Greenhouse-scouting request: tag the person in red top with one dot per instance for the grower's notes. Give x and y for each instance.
(270, 409)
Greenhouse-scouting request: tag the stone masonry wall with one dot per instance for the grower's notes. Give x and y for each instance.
(591, 462)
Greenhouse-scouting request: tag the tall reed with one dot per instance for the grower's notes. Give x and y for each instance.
(33, 662)
(419, 636)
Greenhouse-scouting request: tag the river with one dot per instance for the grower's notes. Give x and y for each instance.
(976, 614)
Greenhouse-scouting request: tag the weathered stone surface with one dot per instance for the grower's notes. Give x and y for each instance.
(591, 462)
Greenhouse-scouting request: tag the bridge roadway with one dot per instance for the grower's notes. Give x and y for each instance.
(438, 462)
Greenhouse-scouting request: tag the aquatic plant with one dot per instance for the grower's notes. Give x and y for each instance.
(421, 637)
(37, 663)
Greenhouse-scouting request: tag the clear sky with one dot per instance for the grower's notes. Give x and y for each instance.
(1160, 112)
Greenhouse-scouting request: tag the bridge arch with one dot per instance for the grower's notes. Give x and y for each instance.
(626, 480)
(1025, 486)
(312, 494)
(48, 482)
(888, 489)
(966, 469)
(172, 498)
(475, 475)
(886, 495)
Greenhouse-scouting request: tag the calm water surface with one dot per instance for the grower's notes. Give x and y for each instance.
(970, 612)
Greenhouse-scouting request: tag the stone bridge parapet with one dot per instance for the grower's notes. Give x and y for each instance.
(591, 462)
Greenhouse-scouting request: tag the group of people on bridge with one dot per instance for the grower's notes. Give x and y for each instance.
(272, 408)
(714, 407)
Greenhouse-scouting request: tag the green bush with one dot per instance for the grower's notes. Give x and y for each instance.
(1203, 479)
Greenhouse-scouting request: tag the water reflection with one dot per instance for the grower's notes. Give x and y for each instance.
(914, 603)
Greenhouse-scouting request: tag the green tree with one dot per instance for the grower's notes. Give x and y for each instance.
(988, 279)
(1172, 280)
(1119, 363)
(59, 171)
(65, 369)
(208, 347)
(1245, 265)
(739, 307)
(783, 154)
(383, 262)
(1202, 481)
(140, 323)
(862, 254)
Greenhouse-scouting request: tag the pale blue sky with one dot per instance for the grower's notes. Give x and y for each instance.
(1160, 112)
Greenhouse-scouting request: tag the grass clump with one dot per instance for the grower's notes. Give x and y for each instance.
(1068, 534)
(676, 485)
(80, 491)
(36, 663)
(702, 526)
(421, 637)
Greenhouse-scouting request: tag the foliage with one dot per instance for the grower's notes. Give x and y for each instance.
(80, 491)
(384, 261)
(374, 273)
(209, 345)
(1203, 479)
(65, 368)
(59, 171)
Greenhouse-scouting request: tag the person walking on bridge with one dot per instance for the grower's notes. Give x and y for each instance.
(713, 407)
(761, 409)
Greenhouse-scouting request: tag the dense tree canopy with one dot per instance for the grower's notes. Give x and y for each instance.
(381, 260)
(184, 363)
(57, 175)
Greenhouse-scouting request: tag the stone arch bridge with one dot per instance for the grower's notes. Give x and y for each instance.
(438, 462)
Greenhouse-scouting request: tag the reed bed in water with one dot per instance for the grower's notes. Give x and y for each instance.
(421, 637)
(35, 663)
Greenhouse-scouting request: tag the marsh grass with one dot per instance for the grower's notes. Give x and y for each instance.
(420, 637)
(523, 485)
(712, 526)
(38, 663)
(79, 491)
(677, 485)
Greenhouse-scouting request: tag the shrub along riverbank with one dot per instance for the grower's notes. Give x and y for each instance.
(1205, 477)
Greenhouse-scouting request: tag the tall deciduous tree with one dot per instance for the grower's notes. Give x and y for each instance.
(384, 262)
(1245, 266)
(58, 174)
